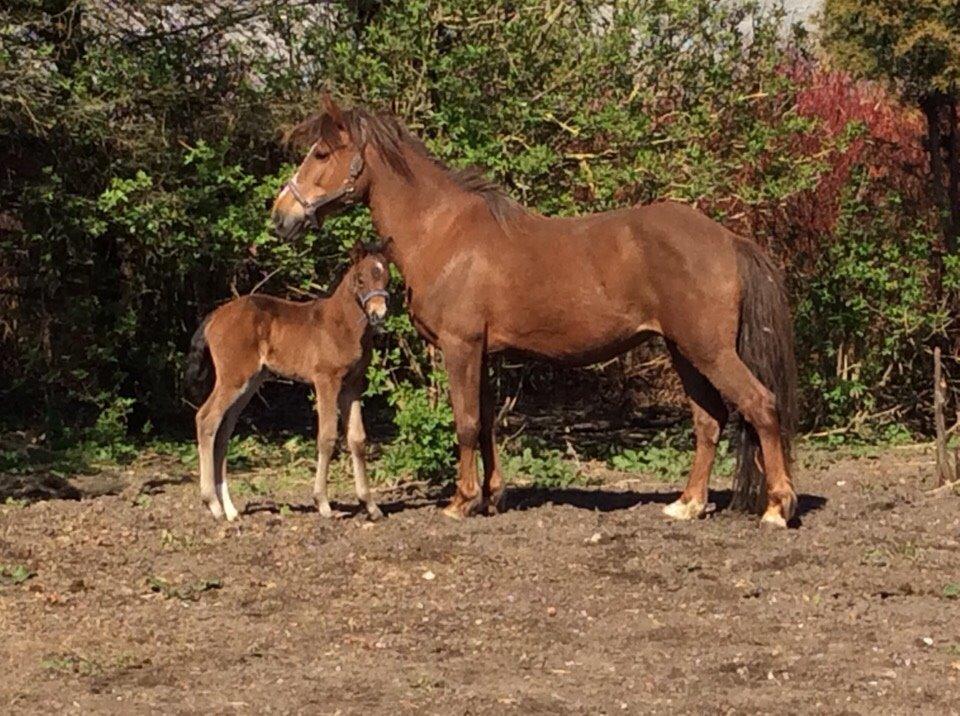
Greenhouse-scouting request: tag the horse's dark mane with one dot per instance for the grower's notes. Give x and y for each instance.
(389, 137)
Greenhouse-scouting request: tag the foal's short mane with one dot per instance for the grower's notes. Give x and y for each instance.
(389, 137)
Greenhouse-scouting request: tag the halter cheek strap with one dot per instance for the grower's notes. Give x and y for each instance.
(346, 194)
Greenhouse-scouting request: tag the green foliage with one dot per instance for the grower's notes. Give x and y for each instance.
(141, 156)
(668, 457)
(865, 317)
(539, 465)
(70, 664)
(913, 45)
(424, 444)
(14, 574)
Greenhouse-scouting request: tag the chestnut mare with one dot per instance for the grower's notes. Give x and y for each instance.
(485, 275)
(325, 342)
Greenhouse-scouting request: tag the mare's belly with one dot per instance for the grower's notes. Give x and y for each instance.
(580, 343)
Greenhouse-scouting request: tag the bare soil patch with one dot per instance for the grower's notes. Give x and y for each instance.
(577, 600)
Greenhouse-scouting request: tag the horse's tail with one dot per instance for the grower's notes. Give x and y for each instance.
(765, 345)
(198, 376)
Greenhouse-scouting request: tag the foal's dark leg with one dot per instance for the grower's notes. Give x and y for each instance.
(709, 418)
(222, 443)
(464, 362)
(492, 477)
(209, 417)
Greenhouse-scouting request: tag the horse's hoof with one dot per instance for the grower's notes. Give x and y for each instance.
(773, 518)
(231, 513)
(789, 504)
(374, 513)
(453, 512)
(324, 509)
(215, 509)
(680, 510)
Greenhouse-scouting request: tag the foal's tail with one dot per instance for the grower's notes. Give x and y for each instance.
(765, 345)
(198, 376)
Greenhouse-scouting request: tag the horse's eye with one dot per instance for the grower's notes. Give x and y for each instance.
(321, 155)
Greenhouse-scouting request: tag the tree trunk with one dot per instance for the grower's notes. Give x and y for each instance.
(953, 172)
(945, 471)
(932, 107)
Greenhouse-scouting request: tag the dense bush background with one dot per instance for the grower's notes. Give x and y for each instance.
(139, 146)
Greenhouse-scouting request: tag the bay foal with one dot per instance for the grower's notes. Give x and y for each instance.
(325, 343)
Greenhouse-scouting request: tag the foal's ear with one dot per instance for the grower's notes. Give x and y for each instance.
(357, 252)
(331, 108)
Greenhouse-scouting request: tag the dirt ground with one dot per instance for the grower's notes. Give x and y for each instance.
(579, 600)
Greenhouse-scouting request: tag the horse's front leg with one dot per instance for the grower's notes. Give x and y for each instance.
(327, 388)
(464, 361)
(352, 415)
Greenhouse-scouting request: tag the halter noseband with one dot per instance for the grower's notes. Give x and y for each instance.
(365, 297)
(346, 192)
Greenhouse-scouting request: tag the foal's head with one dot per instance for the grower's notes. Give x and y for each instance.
(330, 176)
(367, 280)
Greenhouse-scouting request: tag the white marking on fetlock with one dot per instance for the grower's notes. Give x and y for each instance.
(773, 518)
(680, 510)
(228, 509)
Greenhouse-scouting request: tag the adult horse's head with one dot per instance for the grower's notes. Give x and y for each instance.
(331, 175)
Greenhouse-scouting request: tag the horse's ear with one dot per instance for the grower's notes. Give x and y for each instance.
(330, 107)
(363, 132)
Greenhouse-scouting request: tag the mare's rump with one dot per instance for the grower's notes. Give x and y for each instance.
(765, 345)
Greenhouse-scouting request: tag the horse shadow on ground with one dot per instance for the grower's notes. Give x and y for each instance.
(600, 500)
(48, 485)
(37, 486)
(521, 499)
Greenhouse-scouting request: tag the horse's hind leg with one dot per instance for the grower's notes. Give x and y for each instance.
(709, 418)
(758, 405)
(350, 411)
(326, 390)
(209, 418)
(492, 476)
(222, 442)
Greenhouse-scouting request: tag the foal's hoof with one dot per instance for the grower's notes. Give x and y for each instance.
(680, 510)
(494, 504)
(324, 509)
(373, 513)
(215, 509)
